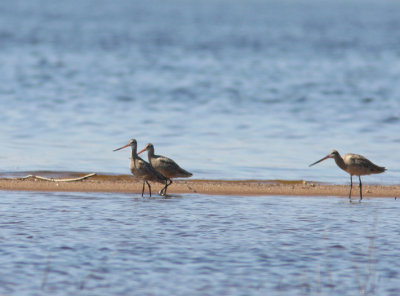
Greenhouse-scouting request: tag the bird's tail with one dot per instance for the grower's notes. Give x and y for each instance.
(378, 169)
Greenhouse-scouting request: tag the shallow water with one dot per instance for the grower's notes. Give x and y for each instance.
(230, 89)
(120, 244)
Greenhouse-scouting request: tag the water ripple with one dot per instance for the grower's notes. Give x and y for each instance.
(201, 244)
(233, 91)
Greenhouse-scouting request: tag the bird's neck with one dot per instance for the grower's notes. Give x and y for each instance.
(134, 153)
(150, 154)
(339, 161)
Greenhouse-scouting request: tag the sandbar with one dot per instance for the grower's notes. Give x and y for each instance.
(128, 184)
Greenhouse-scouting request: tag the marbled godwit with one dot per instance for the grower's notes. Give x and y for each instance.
(354, 164)
(141, 169)
(166, 166)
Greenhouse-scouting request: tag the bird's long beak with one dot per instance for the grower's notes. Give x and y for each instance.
(143, 150)
(127, 145)
(322, 159)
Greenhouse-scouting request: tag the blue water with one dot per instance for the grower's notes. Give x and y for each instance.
(229, 89)
(115, 244)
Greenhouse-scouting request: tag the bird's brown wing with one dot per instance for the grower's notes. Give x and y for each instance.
(366, 164)
(169, 168)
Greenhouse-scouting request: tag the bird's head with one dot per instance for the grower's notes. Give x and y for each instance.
(132, 143)
(148, 147)
(332, 154)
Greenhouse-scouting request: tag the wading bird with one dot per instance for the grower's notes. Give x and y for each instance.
(166, 166)
(353, 164)
(141, 169)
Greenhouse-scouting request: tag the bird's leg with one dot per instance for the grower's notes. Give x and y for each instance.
(148, 184)
(166, 186)
(359, 177)
(170, 182)
(163, 191)
(351, 186)
(143, 187)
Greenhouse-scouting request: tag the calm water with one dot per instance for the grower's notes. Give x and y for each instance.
(114, 244)
(231, 89)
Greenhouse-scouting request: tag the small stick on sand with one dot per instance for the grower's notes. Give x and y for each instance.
(58, 180)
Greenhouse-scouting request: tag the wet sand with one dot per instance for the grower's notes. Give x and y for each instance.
(127, 184)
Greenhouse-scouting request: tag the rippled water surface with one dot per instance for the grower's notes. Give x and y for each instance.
(115, 244)
(230, 89)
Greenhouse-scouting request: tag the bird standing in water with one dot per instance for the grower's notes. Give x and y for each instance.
(355, 165)
(166, 166)
(141, 169)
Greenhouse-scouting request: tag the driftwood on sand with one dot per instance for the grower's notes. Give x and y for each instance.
(58, 180)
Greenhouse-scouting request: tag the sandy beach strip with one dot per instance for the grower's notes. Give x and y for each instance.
(127, 184)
